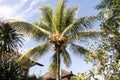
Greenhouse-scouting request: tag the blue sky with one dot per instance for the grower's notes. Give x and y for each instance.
(28, 10)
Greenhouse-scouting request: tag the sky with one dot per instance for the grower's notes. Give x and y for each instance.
(28, 10)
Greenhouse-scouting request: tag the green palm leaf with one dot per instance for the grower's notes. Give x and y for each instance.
(43, 26)
(78, 50)
(38, 51)
(48, 18)
(66, 58)
(9, 38)
(29, 29)
(80, 25)
(104, 4)
(84, 35)
(25, 62)
(68, 17)
(53, 65)
(59, 13)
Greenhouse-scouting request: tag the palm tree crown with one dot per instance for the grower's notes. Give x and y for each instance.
(9, 38)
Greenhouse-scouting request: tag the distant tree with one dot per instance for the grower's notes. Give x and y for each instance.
(106, 57)
(110, 23)
(105, 67)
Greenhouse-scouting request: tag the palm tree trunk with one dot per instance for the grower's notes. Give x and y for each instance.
(58, 75)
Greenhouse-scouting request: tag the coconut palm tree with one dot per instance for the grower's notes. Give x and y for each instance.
(58, 29)
(9, 38)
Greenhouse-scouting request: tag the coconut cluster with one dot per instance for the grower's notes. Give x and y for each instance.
(58, 41)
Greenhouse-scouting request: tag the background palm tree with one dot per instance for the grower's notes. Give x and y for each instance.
(9, 38)
(58, 29)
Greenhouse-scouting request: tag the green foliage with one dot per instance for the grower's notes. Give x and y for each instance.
(32, 77)
(38, 51)
(41, 78)
(106, 57)
(111, 25)
(105, 64)
(10, 69)
(81, 76)
(9, 38)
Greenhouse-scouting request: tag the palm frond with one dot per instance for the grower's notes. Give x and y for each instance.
(25, 62)
(66, 58)
(59, 13)
(104, 4)
(80, 25)
(43, 26)
(105, 14)
(78, 50)
(100, 16)
(68, 17)
(38, 51)
(30, 29)
(53, 65)
(48, 17)
(23, 27)
(84, 23)
(9, 38)
(39, 35)
(27, 27)
(84, 35)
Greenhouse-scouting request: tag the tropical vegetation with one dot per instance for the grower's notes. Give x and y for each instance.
(10, 69)
(106, 57)
(58, 29)
(10, 40)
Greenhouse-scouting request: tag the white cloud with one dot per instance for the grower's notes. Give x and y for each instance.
(31, 10)
(6, 11)
(20, 10)
(33, 3)
(10, 11)
(20, 4)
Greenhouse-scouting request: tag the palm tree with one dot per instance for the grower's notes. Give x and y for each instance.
(58, 29)
(9, 38)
